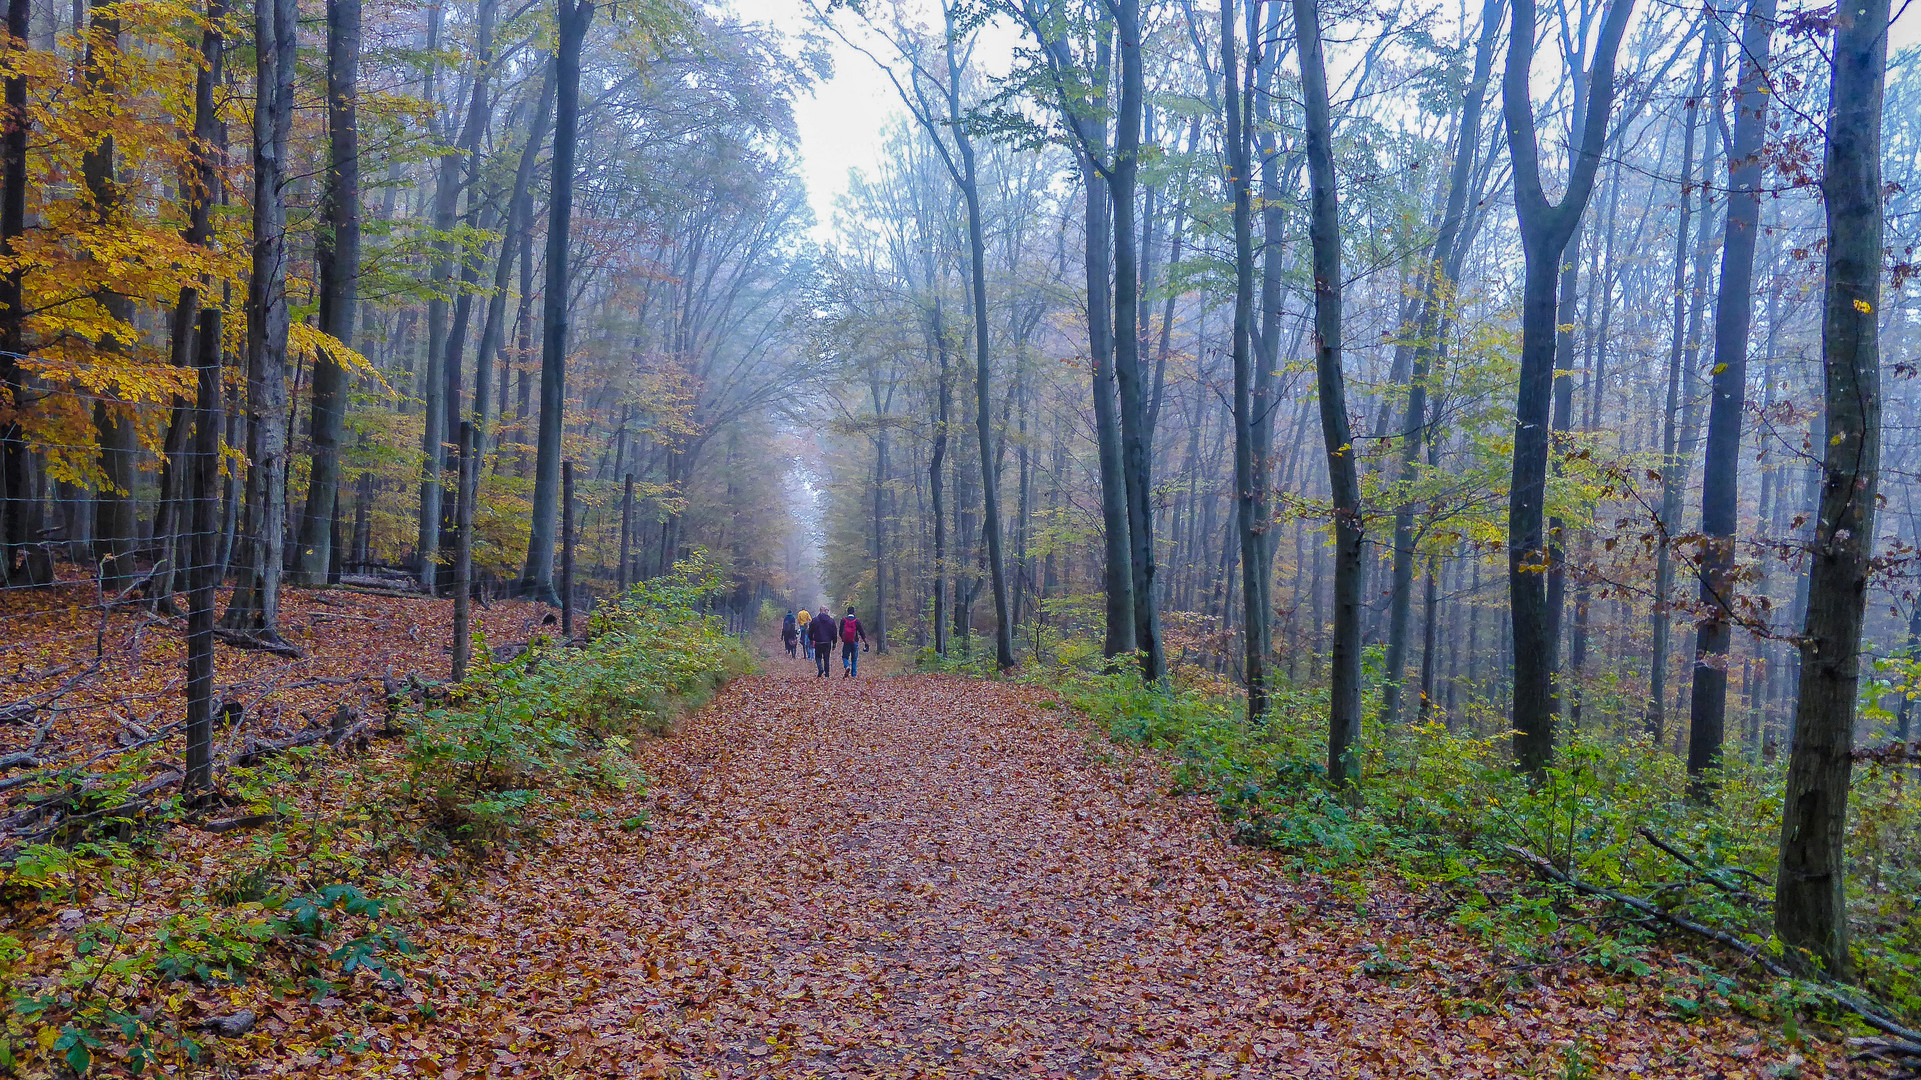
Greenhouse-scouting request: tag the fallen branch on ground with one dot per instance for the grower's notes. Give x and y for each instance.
(1908, 1040)
(259, 642)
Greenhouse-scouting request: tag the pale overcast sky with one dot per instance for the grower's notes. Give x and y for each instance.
(840, 123)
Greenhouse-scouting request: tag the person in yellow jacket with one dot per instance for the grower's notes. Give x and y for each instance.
(806, 642)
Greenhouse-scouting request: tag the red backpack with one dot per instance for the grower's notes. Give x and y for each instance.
(850, 630)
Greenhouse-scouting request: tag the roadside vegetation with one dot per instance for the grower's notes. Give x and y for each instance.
(148, 934)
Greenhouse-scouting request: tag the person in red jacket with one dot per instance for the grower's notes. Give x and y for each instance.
(822, 632)
(853, 638)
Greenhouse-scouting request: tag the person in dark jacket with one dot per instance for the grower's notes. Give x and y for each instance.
(853, 638)
(821, 633)
(789, 633)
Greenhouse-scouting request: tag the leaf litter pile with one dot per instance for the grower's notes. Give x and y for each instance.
(935, 876)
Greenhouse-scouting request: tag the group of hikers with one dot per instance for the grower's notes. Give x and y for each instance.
(813, 636)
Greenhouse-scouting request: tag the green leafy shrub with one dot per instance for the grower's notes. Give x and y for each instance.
(1443, 809)
(523, 728)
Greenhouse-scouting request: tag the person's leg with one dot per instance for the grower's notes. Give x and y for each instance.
(853, 659)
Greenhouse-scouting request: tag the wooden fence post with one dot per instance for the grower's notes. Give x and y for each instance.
(567, 550)
(464, 551)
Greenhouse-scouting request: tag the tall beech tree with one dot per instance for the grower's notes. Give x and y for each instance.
(337, 259)
(1810, 907)
(1545, 230)
(255, 604)
(1344, 678)
(538, 577)
(1733, 319)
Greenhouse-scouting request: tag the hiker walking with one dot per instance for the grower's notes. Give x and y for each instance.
(789, 633)
(803, 626)
(853, 638)
(822, 633)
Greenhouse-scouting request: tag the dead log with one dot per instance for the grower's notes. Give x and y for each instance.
(259, 642)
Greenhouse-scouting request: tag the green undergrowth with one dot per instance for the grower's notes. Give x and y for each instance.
(1442, 810)
(115, 942)
(120, 937)
(525, 730)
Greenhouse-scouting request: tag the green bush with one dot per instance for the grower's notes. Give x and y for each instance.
(523, 728)
(1442, 809)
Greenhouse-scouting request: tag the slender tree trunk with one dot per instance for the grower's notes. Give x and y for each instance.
(1545, 231)
(255, 604)
(1720, 473)
(538, 578)
(935, 466)
(19, 514)
(520, 213)
(983, 415)
(173, 516)
(1122, 627)
(1137, 440)
(338, 260)
(1810, 912)
(1430, 323)
(113, 526)
(203, 574)
(1248, 485)
(1344, 693)
(1660, 621)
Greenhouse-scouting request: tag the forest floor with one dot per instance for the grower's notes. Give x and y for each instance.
(931, 875)
(904, 875)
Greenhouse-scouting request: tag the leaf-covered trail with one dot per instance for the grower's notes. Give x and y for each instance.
(935, 876)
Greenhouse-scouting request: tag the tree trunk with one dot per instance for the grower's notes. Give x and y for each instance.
(1344, 690)
(942, 410)
(983, 415)
(19, 513)
(338, 263)
(173, 516)
(203, 573)
(255, 604)
(1720, 473)
(538, 578)
(1672, 461)
(1430, 323)
(1137, 440)
(1545, 231)
(1248, 486)
(519, 213)
(1810, 912)
(113, 526)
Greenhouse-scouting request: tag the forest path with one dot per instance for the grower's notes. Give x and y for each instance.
(936, 876)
